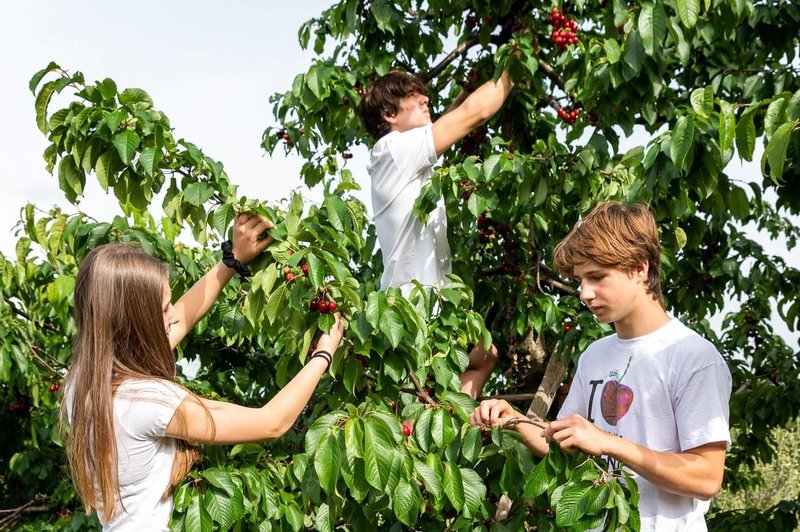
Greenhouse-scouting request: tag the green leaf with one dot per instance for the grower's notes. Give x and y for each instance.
(275, 302)
(149, 159)
(442, 430)
(376, 306)
(653, 27)
(327, 462)
(197, 517)
(793, 108)
(688, 10)
(319, 428)
(746, 137)
(198, 193)
(422, 429)
(775, 116)
(571, 506)
(135, 97)
(432, 481)
(34, 82)
(337, 212)
(222, 218)
(42, 101)
(682, 141)
(680, 237)
(727, 126)
(406, 502)
(71, 179)
(474, 492)
(612, 49)
(315, 270)
(471, 444)
(378, 445)
(391, 325)
(634, 52)
(775, 153)
(126, 142)
(538, 480)
(454, 485)
(702, 101)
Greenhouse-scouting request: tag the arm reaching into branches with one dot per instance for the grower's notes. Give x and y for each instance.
(203, 420)
(194, 304)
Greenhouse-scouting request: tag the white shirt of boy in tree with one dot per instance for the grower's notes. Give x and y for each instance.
(669, 391)
(400, 166)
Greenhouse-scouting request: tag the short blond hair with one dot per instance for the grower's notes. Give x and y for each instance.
(617, 236)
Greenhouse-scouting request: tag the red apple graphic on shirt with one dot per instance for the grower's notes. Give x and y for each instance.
(616, 398)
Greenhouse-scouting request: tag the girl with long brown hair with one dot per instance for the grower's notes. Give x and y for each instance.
(131, 427)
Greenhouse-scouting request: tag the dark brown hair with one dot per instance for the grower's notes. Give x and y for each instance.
(383, 98)
(615, 236)
(120, 335)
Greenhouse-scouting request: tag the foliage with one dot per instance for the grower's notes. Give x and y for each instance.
(708, 81)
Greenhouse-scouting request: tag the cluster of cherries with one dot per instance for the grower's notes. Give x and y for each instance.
(347, 155)
(288, 274)
(564, 29)
(321, 305)
(283, 135)
(568, 116)
(489, 230)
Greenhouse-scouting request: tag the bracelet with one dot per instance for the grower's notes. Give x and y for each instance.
(229, 260)
(324, 355)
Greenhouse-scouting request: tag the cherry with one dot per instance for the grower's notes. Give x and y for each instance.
(332, 306)
(287, 270)
(392, 405)
(347, 155)
(313, 306)
(304, 267)
(289, 277)
(567, 327)
(323, 306)
(54, 387)
(406, 430)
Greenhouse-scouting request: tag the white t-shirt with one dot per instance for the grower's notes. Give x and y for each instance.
(400, 165)
(142, 411)
(668, 391)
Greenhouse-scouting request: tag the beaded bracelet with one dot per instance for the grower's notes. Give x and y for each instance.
(229, 260)
(324, 355)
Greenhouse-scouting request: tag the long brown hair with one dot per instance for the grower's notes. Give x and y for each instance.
(617, 236)
(120, 335)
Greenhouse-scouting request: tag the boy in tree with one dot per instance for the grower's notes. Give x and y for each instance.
(654, 396)
(394, 111)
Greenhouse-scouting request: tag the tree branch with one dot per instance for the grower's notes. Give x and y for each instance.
(22, 314)
(510, 397)
(421, 393)
(36, 349)
(460, 50)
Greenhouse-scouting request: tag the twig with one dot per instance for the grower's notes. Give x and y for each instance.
(40, 360)
(511, 397)
(517, 420)
(421, 393)
(461, 49)
(560, 286)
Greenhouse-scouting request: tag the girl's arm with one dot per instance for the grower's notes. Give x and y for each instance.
(202, 420)
(194, 304)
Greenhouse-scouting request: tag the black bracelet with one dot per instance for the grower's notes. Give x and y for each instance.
(323, 354)
(229, 260)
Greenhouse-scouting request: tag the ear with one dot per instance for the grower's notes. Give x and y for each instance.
(642, 270)
(390, 119)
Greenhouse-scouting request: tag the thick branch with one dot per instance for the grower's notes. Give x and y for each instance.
(460, 50)
(22, 314)
(547, 389)
(421, 393)
(511, 397)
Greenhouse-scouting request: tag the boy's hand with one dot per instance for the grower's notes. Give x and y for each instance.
(246, 232)
(575, 432)
(493, 412)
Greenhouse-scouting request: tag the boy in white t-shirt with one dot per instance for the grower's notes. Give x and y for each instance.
(394, 111)
(655, 395)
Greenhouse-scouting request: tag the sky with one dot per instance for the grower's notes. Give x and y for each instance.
(209, 66)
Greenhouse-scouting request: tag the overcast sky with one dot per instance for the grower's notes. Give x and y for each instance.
(209, 66)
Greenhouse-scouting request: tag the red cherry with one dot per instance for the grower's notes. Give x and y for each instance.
(567, 327)
(347, 155)
(287, 270)
(323, 306)
(304, 267)
(406, 430)
(332, 306)
(289, 277)
(392, 405)
(54, 387)
(313, 306)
